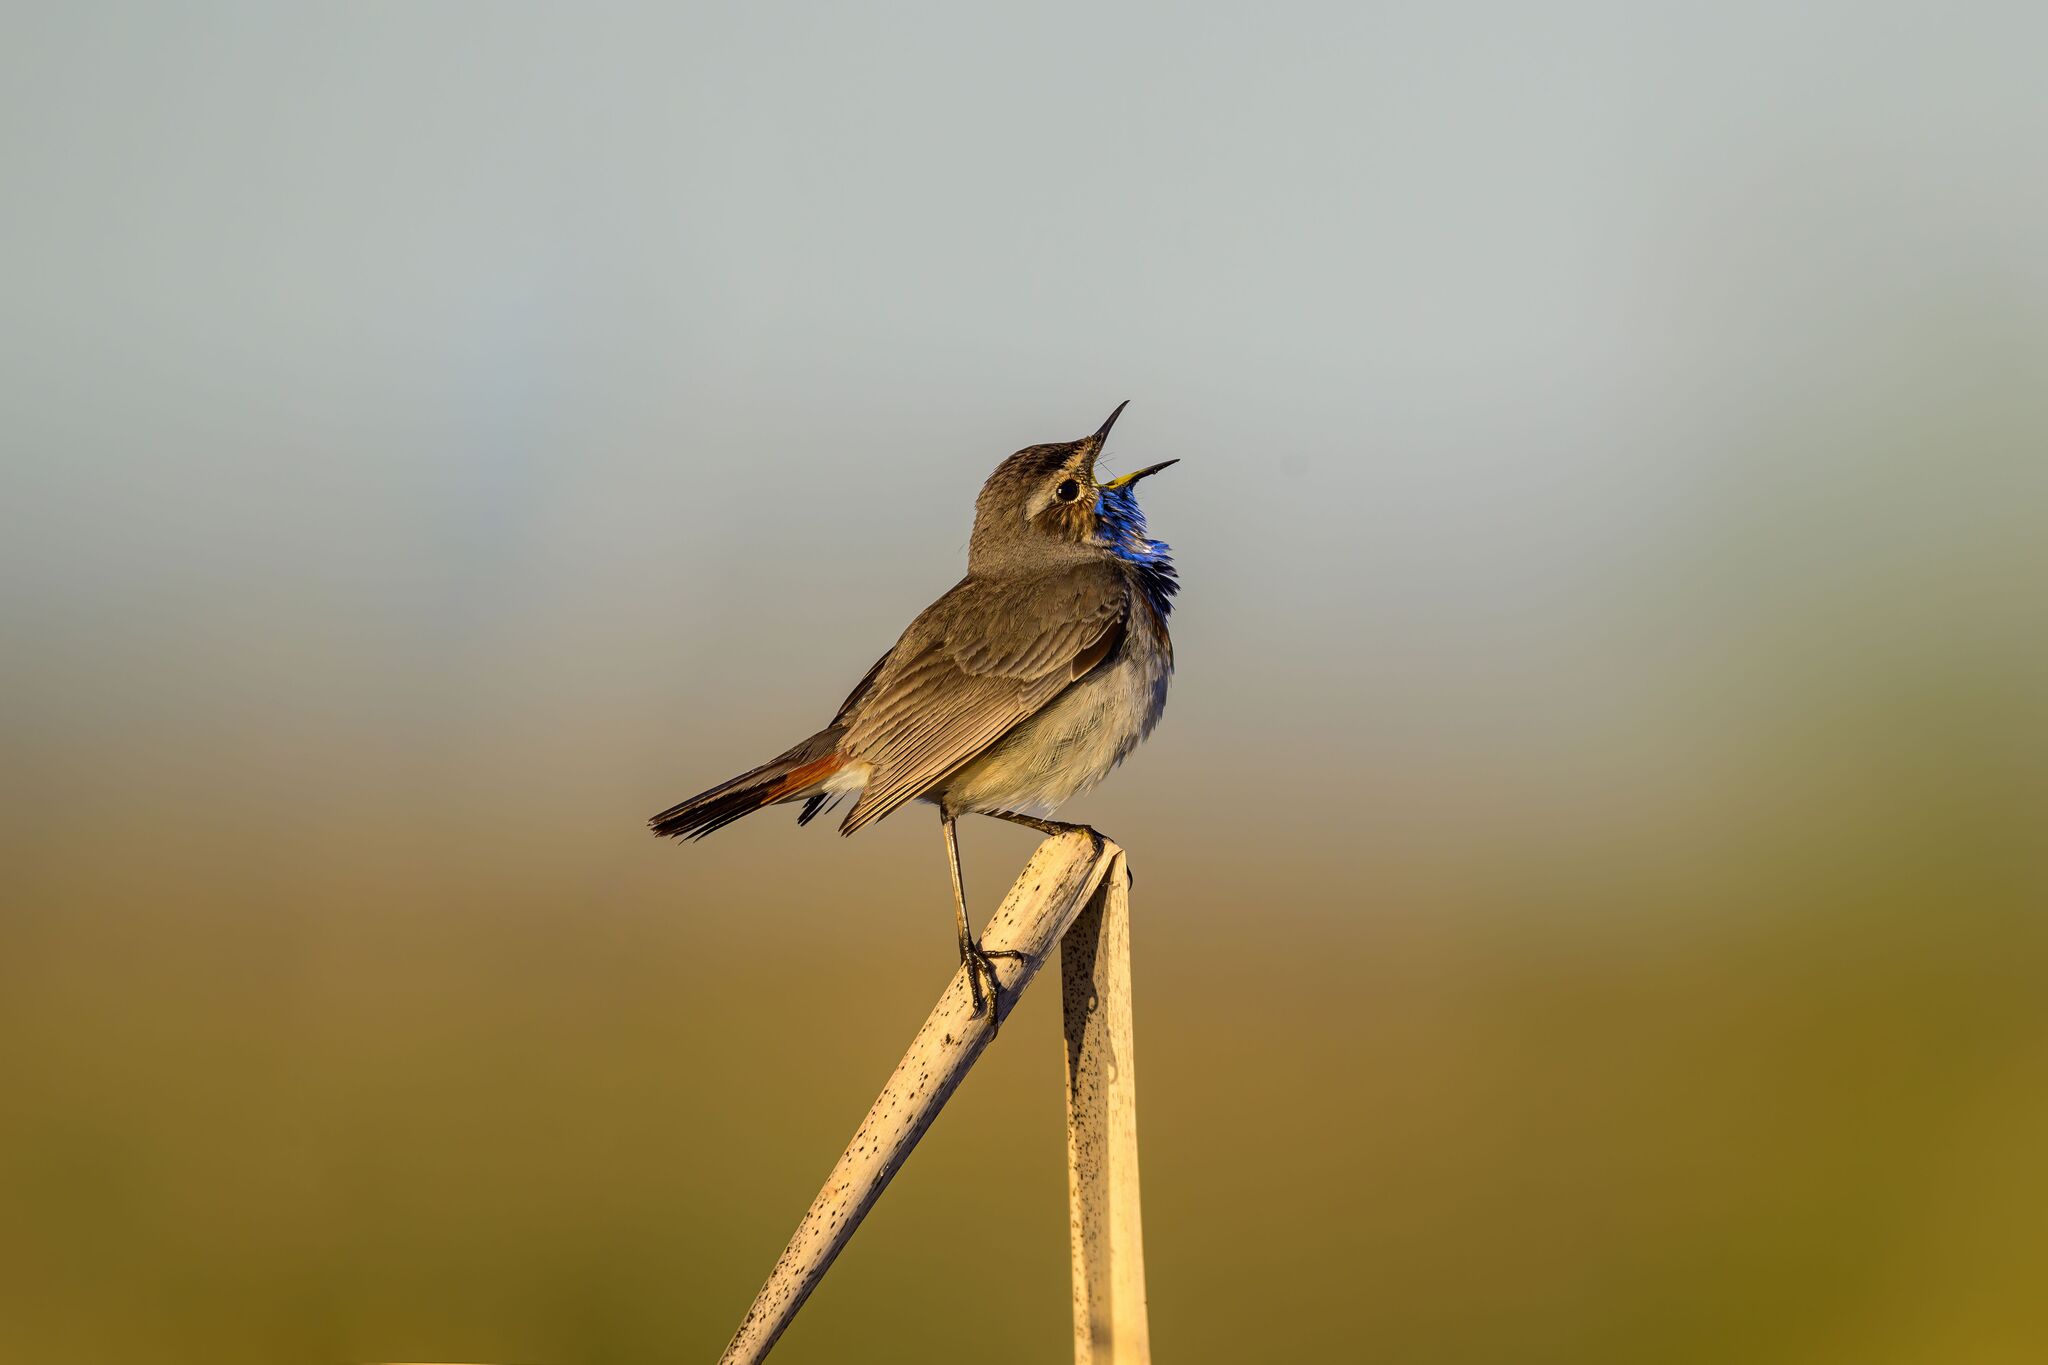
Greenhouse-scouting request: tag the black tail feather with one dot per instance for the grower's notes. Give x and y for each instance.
(760, 787)
(818, 805)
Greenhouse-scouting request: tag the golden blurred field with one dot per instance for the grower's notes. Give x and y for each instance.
(367, 1076)
(1590, 899)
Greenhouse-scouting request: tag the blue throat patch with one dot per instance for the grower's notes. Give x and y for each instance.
(1122, 526)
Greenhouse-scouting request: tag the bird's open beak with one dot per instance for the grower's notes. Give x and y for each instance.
(1126, 480)
(1102, 435)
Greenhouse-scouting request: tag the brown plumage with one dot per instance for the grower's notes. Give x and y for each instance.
(987, 655)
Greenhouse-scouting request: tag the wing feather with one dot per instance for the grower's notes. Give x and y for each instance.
(986, 656)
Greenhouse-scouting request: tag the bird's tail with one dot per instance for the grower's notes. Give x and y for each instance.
(798, 774)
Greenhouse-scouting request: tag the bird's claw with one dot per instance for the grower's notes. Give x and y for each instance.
(981, 968)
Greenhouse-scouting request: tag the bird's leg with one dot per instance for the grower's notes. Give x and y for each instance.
(973, 956)
(960, 906)
(1048, 827)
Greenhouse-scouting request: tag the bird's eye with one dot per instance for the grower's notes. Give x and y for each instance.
(1067, 491)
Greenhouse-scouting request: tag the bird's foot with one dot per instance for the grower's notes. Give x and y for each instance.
(981, 973)
(1047, 827)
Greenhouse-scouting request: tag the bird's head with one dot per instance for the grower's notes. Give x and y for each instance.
(1045, 502)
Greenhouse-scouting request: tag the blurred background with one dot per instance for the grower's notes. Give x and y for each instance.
(1591, 877)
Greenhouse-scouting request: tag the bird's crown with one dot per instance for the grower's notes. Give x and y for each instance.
(1044, 504)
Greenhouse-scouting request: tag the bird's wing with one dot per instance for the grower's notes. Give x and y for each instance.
(984, 657)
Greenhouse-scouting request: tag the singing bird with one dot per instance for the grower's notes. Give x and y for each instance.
(1026, 683)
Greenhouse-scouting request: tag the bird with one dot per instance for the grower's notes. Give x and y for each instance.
(1023, 685)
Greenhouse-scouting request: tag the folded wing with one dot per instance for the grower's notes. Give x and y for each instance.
(989, 654)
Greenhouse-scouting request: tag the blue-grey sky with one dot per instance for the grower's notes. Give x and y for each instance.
(378, 367)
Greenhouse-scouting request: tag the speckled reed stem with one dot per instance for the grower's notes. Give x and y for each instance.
(1110, 1325)
(1056, 886)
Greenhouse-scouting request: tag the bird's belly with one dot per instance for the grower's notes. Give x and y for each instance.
(1069, 746)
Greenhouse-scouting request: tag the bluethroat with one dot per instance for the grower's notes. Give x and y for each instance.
(1024, 684)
